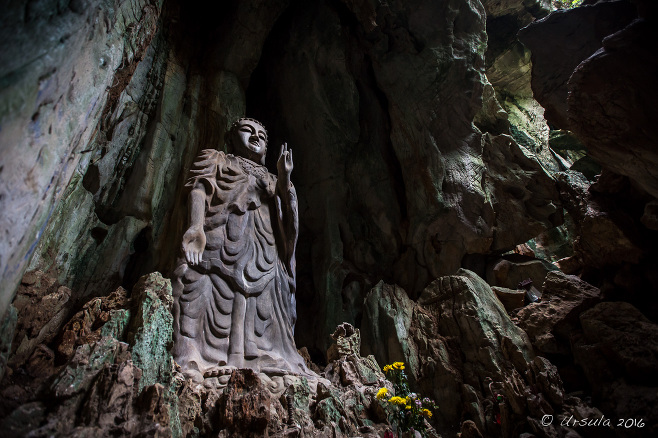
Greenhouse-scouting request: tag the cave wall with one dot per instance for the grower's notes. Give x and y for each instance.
(395, 180)
(64, 65)
(598, 88)
(595, 80)
(419, 149)
(165, 94)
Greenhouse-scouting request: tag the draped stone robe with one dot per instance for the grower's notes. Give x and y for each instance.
(237, 307)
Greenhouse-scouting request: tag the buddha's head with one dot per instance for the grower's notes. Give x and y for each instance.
(248, 138)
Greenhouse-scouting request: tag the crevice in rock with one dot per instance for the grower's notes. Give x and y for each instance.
(137, 260)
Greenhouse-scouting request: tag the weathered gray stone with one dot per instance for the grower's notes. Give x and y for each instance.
(42, 310)
(62, 68)
(468, 352)
(23, 420)
(88, 361)
(98, 317)
(611, 120)
(510, 298)
(606, 233)
(510, 271)
(109, 400)
(377, 99)
(548, 323)
(545, 375)
(575, 34)
(626, 339)
(246, 406)
(618, 356)
(471, 313)
(598, 85)
(151, 330)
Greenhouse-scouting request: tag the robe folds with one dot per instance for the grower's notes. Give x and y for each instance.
(236, 308)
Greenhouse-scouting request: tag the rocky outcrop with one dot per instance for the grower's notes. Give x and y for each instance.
(550, 323)
(592, 80)
(613, 248)
(41, 307)
(509, 271)
(64, 67)
(464, 351)
(606, 235)
(108, 372)
(508, 69)
(378, 101)
(550, 74)
(418, 150)
(460, 346)
(619, 355)
(7, 327)
(595, 80)
(107, 386)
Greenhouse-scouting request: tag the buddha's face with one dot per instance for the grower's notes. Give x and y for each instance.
(250, 140)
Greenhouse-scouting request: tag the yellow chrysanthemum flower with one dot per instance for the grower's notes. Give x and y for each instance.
(407, 407)
(387, 368)
(398, 365)
(427, 413)
(396, 400)
(381, 394)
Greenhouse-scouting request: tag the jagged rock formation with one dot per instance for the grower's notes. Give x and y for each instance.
(597, 90)
(111, 374)
(465, 352)
(378, 199)
(419, 150)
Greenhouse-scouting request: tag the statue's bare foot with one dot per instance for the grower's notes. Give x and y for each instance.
(219, 371)
(274, 371)
(193, 375)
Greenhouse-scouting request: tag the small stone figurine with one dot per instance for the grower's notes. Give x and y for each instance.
(234, 286)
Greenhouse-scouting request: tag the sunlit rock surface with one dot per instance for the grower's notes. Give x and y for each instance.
(419, 149)
(594, 79)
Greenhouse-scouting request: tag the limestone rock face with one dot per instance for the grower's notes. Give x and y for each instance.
(591, 80)
(618, 354)
(390, 201)
(247, 404)
(63, 68)
(41, 308)
(612, 246)
(377, 100)
(550, 322)
(120, 380)
(463, 350)
(468, 310)
(7, 328)
(419, 150)
(387, 318)
(510, 270)
(106, 386)
(550, 75)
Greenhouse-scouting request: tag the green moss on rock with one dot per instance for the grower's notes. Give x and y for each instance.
(150, 337)
(151, 329)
